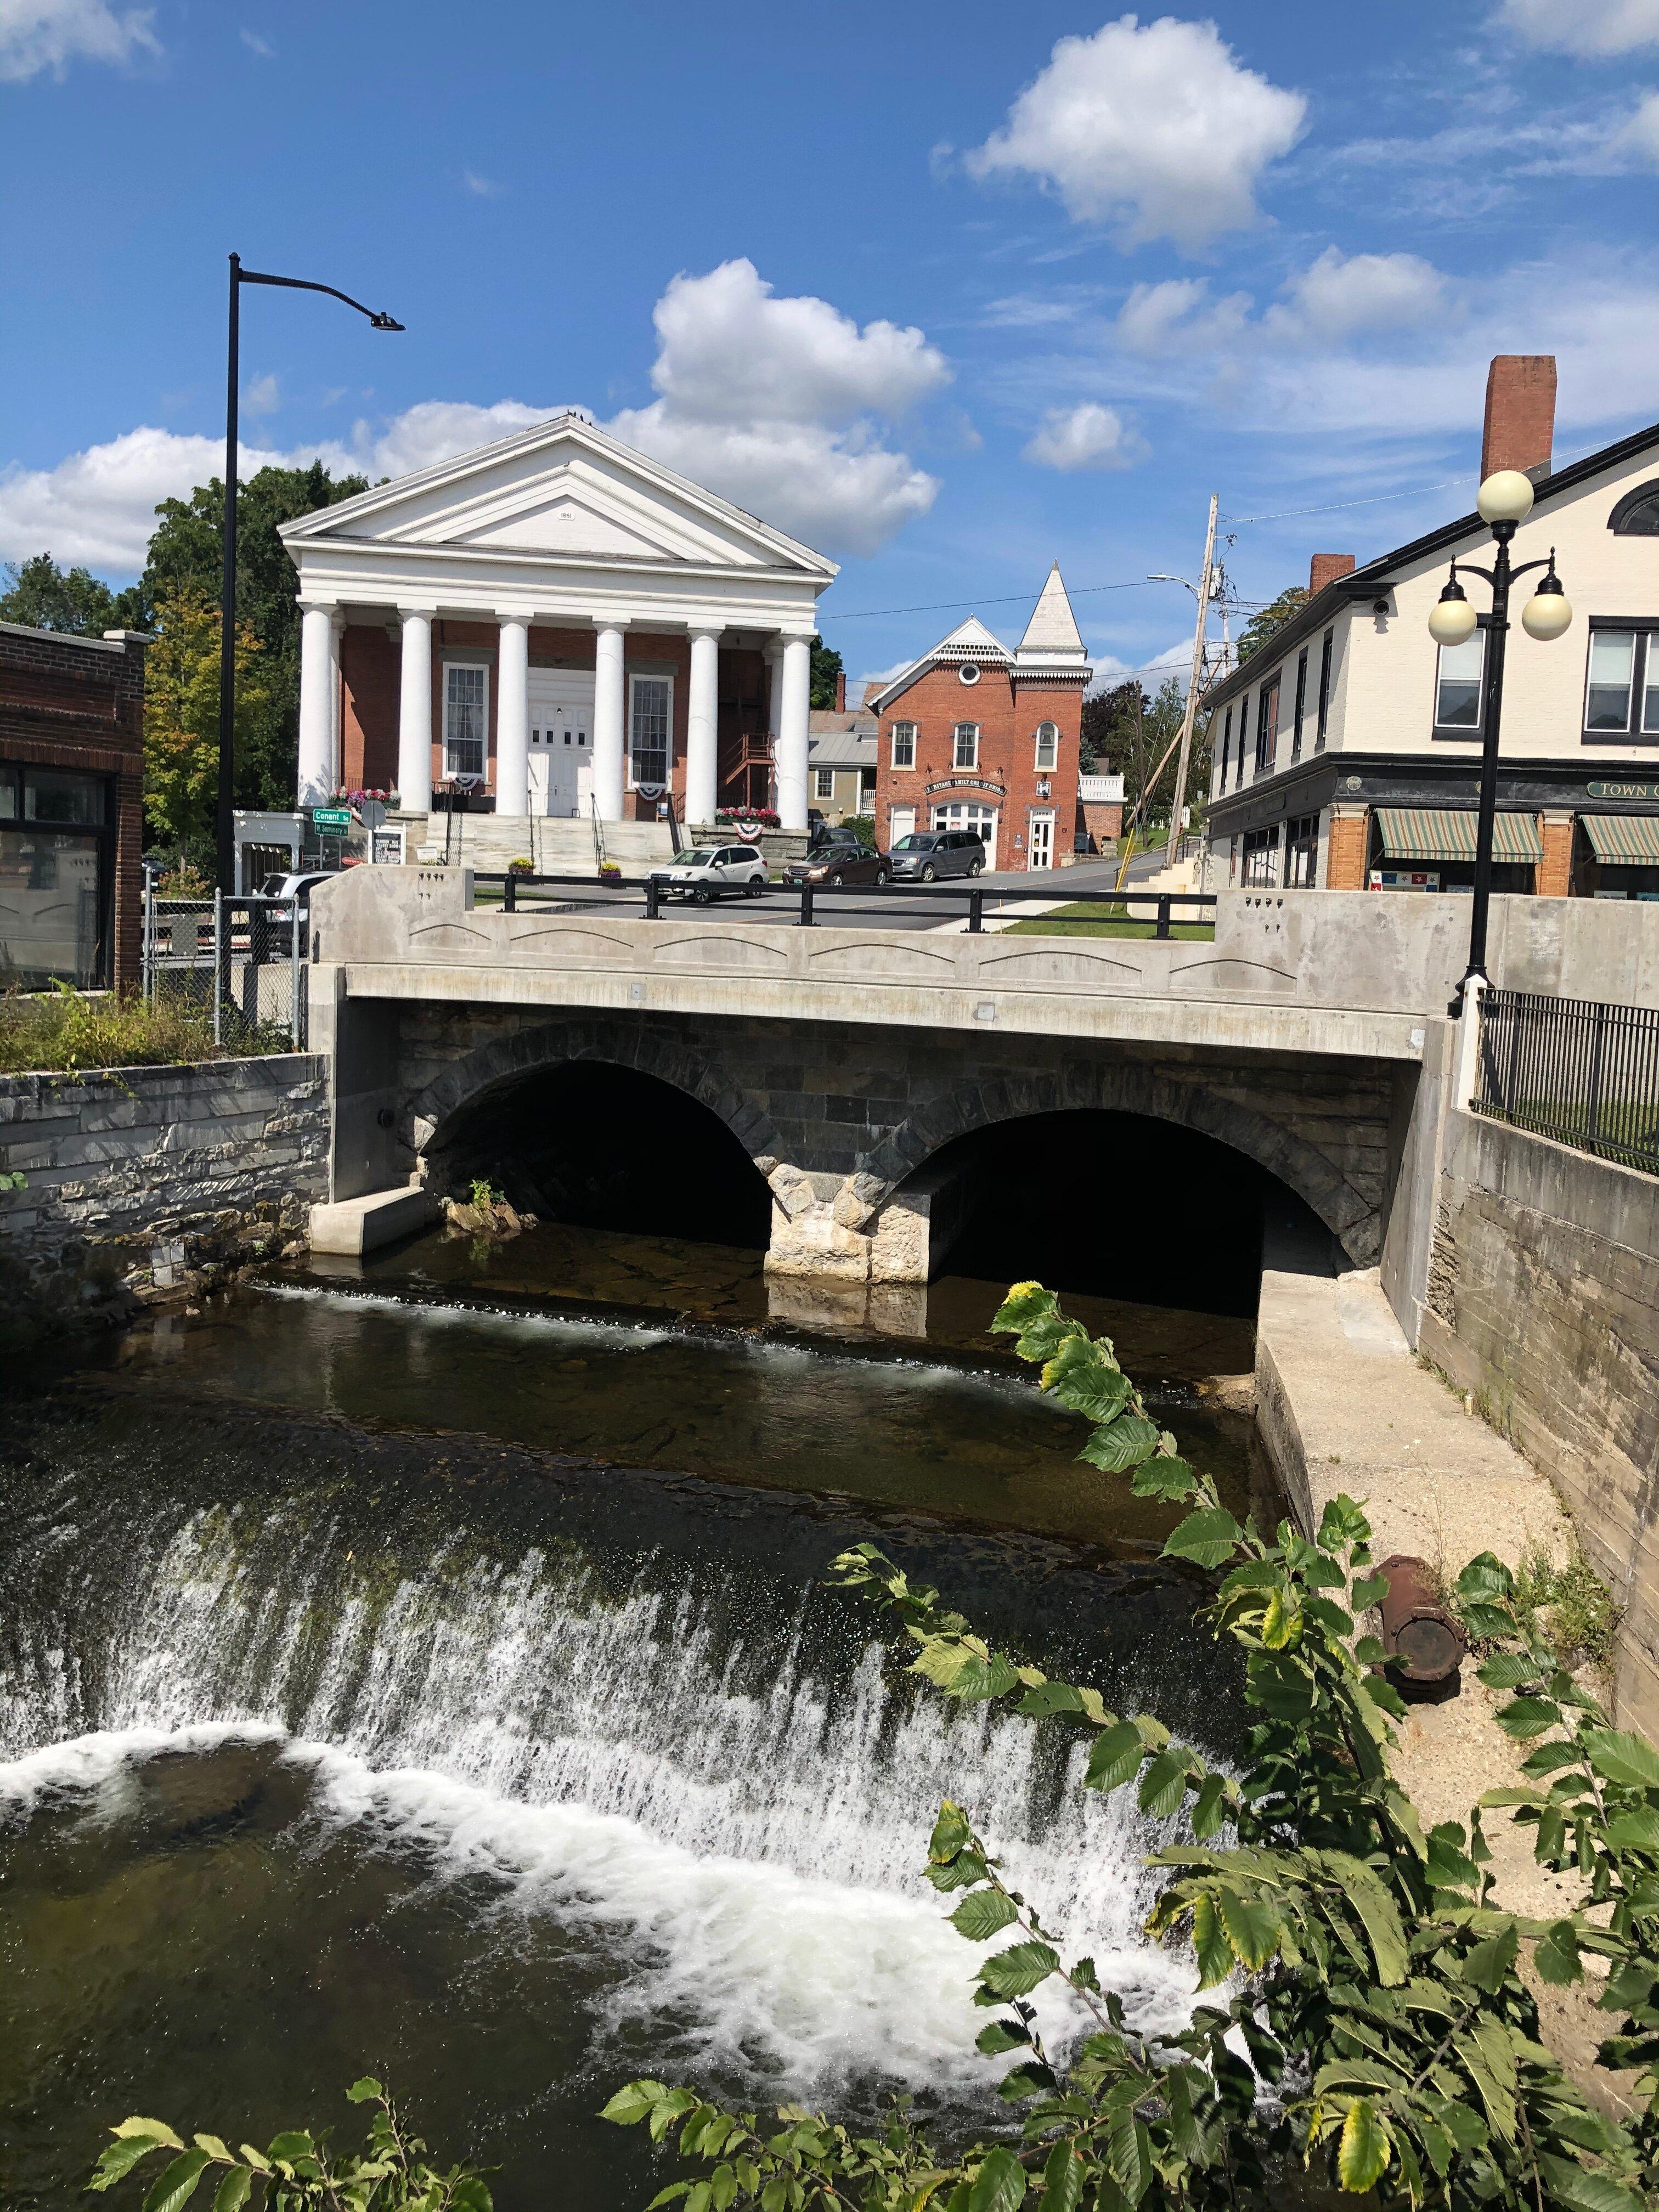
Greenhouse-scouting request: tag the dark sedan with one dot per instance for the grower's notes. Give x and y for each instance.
(833, 865)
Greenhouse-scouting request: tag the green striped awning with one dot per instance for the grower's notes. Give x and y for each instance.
(1445, 833)
(1624, 838)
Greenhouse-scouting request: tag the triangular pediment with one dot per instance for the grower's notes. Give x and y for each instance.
(972, 636)
(564, 488)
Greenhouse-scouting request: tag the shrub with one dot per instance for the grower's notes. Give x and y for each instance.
(64, 1030)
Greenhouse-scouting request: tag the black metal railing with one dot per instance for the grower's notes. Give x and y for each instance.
(652, 897)
(1573, 1069)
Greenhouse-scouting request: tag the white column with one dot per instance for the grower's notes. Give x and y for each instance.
(794, 689)
(609, 702)
(336, 703)
(414, 711)
(702, 729)
(513, 716)
(316, 687)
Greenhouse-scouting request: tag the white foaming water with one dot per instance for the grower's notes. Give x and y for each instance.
(745, 1844)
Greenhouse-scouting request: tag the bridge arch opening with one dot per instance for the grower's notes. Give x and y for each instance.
(1107, 1204)
(597, 1145)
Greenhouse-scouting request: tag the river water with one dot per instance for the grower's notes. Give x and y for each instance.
(427, 1669)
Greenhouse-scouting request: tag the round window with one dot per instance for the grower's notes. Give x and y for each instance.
(967, 672)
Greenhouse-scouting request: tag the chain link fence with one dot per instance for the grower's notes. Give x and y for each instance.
(238, 963)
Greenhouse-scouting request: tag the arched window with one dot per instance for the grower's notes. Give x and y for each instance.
(1637, 515)
(1047, 747)
(967, 745)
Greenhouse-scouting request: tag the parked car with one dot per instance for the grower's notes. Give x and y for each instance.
(287, 887)
(927, 853)
(708, 872)
(838, 861)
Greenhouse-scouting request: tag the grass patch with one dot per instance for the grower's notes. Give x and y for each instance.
(1573, 1604)
(61, 1031)
(1107, 918)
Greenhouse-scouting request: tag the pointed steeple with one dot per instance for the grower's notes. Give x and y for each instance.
(1053, 627)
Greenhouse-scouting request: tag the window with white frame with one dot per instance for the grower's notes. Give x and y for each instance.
(1621, 696)
(1457, 686)
(466, 718)
(825, 785)
(904, 745)
(966, 754)
(1047, 747)
(649, 709)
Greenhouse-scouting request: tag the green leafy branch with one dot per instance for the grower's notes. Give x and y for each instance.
(296, 2172)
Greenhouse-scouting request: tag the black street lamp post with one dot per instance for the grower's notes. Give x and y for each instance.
(224, 828)
(1504, 501)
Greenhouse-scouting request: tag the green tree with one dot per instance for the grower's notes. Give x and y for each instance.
(1267, 621)
(73, 601)
(182, 713)
(186, 554)
(826, 666)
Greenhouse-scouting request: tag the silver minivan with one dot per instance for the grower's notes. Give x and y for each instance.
(926, 854)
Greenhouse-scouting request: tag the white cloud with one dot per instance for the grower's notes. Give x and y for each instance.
(50, 35)
(801, 445)
(1179, 316)
(256, 45)
(1087, 436)
(776, 403)
(481, 188)
(1157, 129)
(1589, 27)
(263, 397)
(99, 505)
(1341, 296)
(1636, 144)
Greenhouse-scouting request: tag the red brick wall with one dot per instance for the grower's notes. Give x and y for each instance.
(1324, 569)
(1008, 715)
(1519, 431)
(370, 673)
(1345, 849)
(70, 704)
(1554, 875)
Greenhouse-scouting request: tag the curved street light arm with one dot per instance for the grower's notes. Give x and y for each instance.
(380, 319)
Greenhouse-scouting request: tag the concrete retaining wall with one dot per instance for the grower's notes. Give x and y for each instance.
(139, 1178)
(1543, 1300)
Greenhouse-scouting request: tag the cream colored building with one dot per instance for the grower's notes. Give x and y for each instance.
(1347, 752)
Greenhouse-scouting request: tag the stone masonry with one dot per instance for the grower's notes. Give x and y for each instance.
(840, 1119)
(144, 1180)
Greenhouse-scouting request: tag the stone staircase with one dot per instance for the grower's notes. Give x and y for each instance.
(558, 845)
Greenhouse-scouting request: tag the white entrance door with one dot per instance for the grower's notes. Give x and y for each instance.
(561, 740)
(968, 814)
(902, 821)
(1043, 841)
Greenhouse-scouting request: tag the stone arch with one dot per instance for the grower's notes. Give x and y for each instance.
(1351, 1214)
(508, 1059)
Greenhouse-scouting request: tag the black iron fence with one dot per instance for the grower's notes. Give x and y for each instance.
(1584, 1073)
(236, 961)
(856, 905)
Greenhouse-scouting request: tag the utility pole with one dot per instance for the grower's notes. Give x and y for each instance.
(1191, 715)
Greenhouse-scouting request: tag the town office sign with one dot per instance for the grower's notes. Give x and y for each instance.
(1647, 792)
(967, 783)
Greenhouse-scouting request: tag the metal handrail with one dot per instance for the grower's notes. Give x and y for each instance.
(1579, 1071)
(969, 897)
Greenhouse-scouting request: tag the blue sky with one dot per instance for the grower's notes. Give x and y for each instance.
(949, 292)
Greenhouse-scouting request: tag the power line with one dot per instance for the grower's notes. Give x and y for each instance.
(1340, 506)
(1008, 599)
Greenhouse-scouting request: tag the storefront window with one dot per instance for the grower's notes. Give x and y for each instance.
(56, 795)
(52, 907)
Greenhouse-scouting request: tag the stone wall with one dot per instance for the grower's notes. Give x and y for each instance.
(1543, 1302)
(142, 1181)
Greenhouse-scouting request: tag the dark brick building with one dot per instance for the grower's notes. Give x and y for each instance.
(72, 807)
(974, 737)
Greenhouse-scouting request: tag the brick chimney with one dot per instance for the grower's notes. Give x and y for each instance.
(1324, 569)
(840, 690)
(1520, 427)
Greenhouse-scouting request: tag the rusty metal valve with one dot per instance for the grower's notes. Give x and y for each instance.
(1417, 1628)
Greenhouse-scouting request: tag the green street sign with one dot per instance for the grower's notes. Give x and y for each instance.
(332, 817)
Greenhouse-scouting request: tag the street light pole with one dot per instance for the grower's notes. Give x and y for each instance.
(223, 825)
(1505, 501)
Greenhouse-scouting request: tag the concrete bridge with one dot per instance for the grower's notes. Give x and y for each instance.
(850, 1066)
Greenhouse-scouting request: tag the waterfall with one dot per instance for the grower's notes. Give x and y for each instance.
(727, 1787)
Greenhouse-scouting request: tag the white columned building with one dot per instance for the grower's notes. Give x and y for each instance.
(546, 628)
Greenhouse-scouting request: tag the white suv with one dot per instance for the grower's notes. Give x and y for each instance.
(708, 871)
